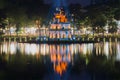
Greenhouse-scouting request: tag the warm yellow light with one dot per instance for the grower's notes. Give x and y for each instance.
(69, 35)
(59, 58)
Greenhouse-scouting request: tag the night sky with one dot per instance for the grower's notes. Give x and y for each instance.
(82, 2)
(38, 2)
(4, 3)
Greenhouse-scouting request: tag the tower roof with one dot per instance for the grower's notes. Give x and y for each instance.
(60, 16)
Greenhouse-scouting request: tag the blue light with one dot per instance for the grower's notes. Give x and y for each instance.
(70, 38)
(73, 37)
(44, 38)
(58, 4)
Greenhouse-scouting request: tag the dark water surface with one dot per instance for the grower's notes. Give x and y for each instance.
(91, 61)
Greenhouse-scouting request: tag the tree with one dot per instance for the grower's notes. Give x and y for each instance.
(112, 27)
(2, 19)
(17, 28)
(2, 25)
(87, 22)
(117, 14)
(39, 23)
(2, 4)
(100, 22)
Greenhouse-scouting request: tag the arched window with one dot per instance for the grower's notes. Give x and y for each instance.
(58, 35)
(51, 35)
(64, 35)
(69, 35)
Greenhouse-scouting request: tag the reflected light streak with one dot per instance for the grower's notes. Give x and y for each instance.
(84, 49)
(90, 48)
(76, 48)
(106, 49)
(110, 48)
(5, 48)
(21, 47)
(47, 49)
(99, 49)
(71, 48)
(12, 48)
(97, 45)
(118, 52)
(27, 48)
(33, 49)
(43, 49)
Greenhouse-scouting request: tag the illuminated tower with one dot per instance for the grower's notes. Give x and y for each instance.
(60, 28)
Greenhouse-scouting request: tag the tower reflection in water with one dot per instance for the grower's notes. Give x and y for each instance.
(60, 57)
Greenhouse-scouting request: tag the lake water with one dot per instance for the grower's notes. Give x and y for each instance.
(86, 61)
